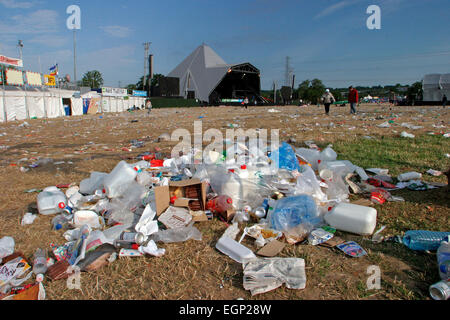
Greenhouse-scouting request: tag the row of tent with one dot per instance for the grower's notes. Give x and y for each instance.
(20, 104)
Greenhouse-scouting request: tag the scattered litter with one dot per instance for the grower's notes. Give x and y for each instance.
(407, 135)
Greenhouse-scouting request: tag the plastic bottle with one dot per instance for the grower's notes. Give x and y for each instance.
(220, 205)
(117, 181)
(443, 255)
(234, 188)
(61, 222)
(40, 262)
(51, 201)
(353, 218)
(244, 173)
(328, 155)
(95, 182)
(421, 240)
(409, 176)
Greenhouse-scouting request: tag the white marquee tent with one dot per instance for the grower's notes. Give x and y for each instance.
(16, 103)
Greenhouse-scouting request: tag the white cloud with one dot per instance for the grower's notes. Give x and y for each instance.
(37, 22)
(335, 7)
(49, 40)
(117, 31)
(13, 4)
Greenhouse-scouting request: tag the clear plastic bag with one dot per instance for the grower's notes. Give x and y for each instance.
(177, 235)
(293, 211)
(307, 183)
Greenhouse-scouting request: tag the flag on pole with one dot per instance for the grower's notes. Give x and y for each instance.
(54, 70)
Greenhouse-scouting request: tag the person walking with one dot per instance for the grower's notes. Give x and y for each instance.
(353, 99)
(327, 100)
(246, 102)
(444, 101)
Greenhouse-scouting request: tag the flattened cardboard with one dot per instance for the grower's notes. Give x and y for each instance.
(363, 202)
(332, 242)
(272, 249)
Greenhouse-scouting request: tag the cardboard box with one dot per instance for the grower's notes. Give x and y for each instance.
(183, 190)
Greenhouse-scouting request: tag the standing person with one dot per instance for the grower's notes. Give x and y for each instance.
(148, 106)
(353, 99)
(444, 101)
(246, 103)
(327, 100)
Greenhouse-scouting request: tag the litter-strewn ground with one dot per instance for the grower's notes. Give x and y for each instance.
(196, 270)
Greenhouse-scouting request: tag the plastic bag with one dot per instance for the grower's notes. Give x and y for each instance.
(307, 183)
(6, 247)
(293, 211)
(28, 218)
(263, 275)
(177, 235)
(285, 158)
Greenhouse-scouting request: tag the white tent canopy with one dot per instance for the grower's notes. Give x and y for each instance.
(22, 104)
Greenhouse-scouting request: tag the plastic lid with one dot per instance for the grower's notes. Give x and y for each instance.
(61, 205)
(58, 227)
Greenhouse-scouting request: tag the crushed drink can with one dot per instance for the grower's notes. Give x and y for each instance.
(132, 237)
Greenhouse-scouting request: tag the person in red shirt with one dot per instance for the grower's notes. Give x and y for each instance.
(353, 99)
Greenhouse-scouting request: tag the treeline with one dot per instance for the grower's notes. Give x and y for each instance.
(310, 91)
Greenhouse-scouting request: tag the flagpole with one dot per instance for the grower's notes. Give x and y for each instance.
(75, 55)
(4, 99)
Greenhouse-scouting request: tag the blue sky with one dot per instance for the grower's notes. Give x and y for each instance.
(326, 39)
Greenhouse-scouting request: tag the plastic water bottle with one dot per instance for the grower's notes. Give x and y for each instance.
(40, 262)
(443, 255)
(420, 240)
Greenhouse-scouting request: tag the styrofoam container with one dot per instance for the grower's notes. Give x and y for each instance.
(353, 218)
(234, 250)
(51, 201)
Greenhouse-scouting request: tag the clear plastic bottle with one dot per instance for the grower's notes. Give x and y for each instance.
(421, 240)
(443, 255)
(40, 262)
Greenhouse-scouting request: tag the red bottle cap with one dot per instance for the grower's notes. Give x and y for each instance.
(244, 167)
(104, 190)
(135, 247)
(61, 205)
(232, 170)
(172, 200)
(230, 201)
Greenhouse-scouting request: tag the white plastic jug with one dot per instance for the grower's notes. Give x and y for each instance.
(233, 188)
(95, 182)
(51, 201)
(344, 166)
(353, 218)
(119, 179)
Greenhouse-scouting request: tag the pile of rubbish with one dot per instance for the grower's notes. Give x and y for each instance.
(277, 198)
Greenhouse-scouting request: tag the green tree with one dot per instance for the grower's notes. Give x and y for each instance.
(153, 82)
(93, 79)
(311, 91)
